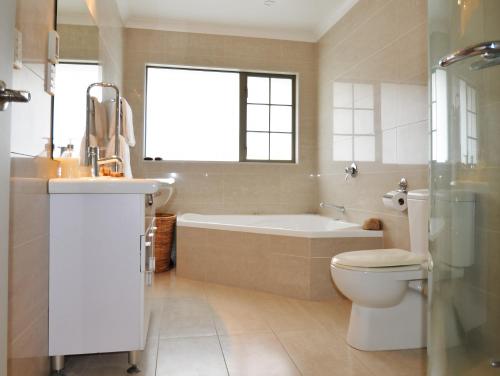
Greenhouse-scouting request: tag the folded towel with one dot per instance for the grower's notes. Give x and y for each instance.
(127, 121)
(92, 142)
(99, 126)
(124, 154)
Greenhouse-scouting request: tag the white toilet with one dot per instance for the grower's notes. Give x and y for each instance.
(388, 308)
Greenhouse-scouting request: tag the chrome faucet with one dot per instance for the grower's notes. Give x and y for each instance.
(95, 161)
(340, 208)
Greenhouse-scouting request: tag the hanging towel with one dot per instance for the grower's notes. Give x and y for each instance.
(124, 154)
(92, 142)
(127, 121)
(99, 126)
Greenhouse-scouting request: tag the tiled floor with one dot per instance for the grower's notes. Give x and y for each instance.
(205, 329)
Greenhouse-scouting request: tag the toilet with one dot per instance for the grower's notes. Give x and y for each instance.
(389, 309)
(385, 286)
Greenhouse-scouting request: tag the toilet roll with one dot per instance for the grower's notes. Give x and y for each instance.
(395, 200)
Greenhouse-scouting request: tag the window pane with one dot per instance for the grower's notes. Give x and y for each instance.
(342, 148)
(258, 90)
(281, 147)
(281, 91)
(192, 115)
(257, 117)
(257, 146)
(342, 121)
(281, 119)
(363, 122)
(364, 148)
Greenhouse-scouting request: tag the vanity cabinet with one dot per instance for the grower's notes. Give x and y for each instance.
(100, 272)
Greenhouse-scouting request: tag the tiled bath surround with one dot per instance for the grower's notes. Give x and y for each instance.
(285, 265)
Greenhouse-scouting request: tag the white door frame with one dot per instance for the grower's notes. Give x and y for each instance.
(7, 22)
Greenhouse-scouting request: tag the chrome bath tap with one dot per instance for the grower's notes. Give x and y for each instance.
(340, 208)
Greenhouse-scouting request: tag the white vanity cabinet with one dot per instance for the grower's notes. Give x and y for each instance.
(99, 257)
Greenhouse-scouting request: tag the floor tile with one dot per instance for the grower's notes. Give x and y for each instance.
(200, 356)
(394, 363)
(333, 314)
(205, 329)
(319, 353)
(259, 354)
(186, 317)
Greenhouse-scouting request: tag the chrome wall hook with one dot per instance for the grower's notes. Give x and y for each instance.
(351, 171)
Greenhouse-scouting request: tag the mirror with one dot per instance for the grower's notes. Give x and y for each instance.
(90, 51)
(79, 66)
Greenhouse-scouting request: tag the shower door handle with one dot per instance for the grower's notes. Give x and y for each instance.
(488, 50)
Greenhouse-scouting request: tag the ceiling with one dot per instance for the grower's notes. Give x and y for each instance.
(302, 20)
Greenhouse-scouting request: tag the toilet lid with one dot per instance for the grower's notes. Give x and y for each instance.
(378, 258)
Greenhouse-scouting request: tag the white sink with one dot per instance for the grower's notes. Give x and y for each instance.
(107, 185)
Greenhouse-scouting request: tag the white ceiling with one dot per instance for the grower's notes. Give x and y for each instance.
(303, 20)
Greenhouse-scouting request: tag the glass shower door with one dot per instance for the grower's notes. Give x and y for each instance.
(464, 330)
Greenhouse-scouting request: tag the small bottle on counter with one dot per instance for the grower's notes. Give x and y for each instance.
(69, 166)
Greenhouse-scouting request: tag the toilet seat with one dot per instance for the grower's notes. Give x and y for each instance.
(379, 260)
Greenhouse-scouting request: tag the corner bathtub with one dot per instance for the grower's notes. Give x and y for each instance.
(284, 254)
(298, 225)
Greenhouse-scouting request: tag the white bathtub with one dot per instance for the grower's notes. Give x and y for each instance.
(298, 225)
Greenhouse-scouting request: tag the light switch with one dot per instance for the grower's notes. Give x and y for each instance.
(53, 47)
(18, 49)
(50, 79)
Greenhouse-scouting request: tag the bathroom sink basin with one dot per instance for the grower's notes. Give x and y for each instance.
(165, 192)
(107, 185)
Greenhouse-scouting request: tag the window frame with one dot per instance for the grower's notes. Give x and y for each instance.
(243, 116)
(243, 95)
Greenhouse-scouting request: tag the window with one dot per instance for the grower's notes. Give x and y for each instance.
(439, 119)
(468, 124)
(353, 122)
(214, 115)
(70, 103)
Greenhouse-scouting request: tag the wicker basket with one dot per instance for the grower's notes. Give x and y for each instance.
(163, 242)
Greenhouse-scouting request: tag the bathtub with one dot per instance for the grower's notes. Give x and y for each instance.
(297, 225)
(288, 255)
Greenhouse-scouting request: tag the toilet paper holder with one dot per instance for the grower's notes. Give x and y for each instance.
(396, 200)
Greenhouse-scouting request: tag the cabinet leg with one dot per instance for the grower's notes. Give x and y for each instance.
(57, 364)
(133, 360)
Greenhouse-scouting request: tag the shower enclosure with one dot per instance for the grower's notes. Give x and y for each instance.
(464, 330)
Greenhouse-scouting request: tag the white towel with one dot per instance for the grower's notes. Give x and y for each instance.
(92, 142)
(99, 126)
(127, 122)
(124, 154)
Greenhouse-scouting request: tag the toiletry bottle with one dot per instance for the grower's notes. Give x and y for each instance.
(69, 165)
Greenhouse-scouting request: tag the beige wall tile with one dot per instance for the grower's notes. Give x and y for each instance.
(370, 46)
(249, 188)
